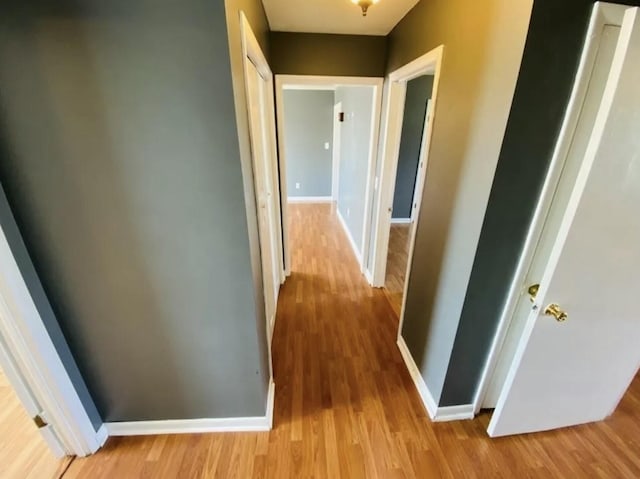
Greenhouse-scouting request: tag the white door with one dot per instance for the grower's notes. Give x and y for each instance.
(605, 38)
(263, 175)
(579, 349)
(421, 174)
(30, 403)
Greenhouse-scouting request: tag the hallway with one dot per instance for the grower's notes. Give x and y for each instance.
(346, 407)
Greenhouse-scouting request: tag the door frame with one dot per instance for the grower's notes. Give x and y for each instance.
(319, 82)
(428, 64)
(335, 154)
(34, 367)
(602, 14)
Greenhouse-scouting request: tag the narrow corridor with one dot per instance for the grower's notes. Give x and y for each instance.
(346, 406)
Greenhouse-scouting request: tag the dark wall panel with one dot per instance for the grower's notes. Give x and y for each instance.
(327, 54)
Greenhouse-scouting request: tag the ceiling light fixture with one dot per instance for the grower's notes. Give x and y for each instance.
(364, 4)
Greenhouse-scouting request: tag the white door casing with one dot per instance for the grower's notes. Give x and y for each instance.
(576, 371)
(28, 401)
(421, 172)
(34, 368)
(391, 129)
(335, 164)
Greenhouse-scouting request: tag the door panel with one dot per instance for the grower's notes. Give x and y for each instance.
(576, 371)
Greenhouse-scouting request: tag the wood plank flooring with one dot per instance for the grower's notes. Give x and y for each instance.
(346, 407)
(23, 452)
(397, 257)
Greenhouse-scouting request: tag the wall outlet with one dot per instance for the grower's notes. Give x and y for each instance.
(326, 145)
(348, 212)
(297, 186)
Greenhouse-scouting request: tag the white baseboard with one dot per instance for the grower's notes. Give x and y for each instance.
(437, 414)
(354, 246)
(400, 221)
(309, 199)
(271, 399)
(368, 276)
(102, 434)
(191, 426)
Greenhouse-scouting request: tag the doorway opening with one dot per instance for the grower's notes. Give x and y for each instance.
(328, 137)
(408, 185)
(402, 169)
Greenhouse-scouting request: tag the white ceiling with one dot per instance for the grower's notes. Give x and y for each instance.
(335, 16)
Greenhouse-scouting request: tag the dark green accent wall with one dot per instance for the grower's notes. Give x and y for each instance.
(415, 106)
(327, 54)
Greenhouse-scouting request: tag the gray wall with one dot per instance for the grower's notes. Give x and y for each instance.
(415, 106)
(483, 49)
(124, 175)
(357, 105)
(49, 319)
(308, 125)
(552, 52)
(328, 54)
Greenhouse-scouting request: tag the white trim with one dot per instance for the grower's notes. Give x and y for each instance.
(371, 181)
(603, 14)
(102, 434)
(437, 414)
(352, 242)
(35, 358)
(463, 412)
(401, 221)
(429, 63)
(188, 426)
(309, 199)
(423, 391)
(194, 426)
(310, 87)
(313, 82)
(271, 399)
(335, 153)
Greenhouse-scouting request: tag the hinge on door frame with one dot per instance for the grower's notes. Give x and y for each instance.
(40, 423)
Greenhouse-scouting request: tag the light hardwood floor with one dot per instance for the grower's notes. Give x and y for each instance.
(346, 407)
(23, 452)
(397, 257)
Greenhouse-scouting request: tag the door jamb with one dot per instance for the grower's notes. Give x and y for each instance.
(603, 14)
(319, 82)
(28, 345)
(335, 155)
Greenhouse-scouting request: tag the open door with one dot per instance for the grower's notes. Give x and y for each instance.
(579, 350)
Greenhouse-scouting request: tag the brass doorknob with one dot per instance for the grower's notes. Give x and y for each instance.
(554, 310)
(533, 292)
